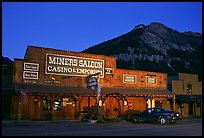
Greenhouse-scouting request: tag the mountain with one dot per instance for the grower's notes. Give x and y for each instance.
(155, 47)
(6, 60)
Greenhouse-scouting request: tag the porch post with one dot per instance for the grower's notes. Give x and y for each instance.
(174, 102)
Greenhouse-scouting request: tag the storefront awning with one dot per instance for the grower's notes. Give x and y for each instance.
(189, 98)
(137, 91)
(38, 89)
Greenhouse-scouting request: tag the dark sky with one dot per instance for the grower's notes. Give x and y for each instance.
(75, 26)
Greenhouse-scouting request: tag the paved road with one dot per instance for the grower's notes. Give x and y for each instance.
(186, 127)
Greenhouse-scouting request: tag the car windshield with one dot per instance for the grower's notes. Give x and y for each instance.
(166, 109)
(149, 110)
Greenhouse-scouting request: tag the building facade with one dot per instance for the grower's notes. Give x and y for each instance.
(7, 88)
(188, 92)
(58, 83)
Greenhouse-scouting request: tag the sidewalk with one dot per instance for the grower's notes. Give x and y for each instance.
(6, 123)
(191, 119)
(42, 122)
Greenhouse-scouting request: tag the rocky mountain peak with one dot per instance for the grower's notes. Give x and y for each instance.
(156, 25)
(155, 47)
(139, 26)
(157, 28)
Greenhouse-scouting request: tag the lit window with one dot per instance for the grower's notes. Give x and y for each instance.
(189, 88)
(58, 104)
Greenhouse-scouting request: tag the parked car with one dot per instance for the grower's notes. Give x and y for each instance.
(157, 115)
(128, 114)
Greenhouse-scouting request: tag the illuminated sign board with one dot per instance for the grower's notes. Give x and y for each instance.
(108, 70)
(151, 80)
(30, 71)
(73, 66)
(30, 75)
(31, 66)
(92, 83)
(129, 78)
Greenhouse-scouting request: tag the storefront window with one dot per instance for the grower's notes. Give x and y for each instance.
(45, 103)
(158, 103)
(58, 104)
(189, 88)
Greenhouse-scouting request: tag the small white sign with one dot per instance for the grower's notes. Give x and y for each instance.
(151, 80)
(30, 75)
(108, 70)
(31, 66)
(129, 79)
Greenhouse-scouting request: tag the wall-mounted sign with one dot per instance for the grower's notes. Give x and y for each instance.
(31, 66)
(73, 66)
(151, 79)
(51, 81)
(30, 81)
(92, 83)
(30, 72)
(30, 75)
(129, 78)
(108, 70)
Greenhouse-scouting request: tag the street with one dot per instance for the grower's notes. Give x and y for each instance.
(185, 127)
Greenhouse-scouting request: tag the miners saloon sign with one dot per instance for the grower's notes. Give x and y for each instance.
(72, 65)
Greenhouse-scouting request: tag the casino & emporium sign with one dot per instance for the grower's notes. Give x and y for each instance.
(73, 66)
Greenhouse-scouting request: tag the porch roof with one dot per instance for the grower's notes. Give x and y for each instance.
(189, 98)
(46, 89)
(41, 89)
(137, 91)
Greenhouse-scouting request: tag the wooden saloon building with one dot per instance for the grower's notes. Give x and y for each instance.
(50, 81)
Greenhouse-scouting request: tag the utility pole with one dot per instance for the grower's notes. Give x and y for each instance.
(98, 90)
